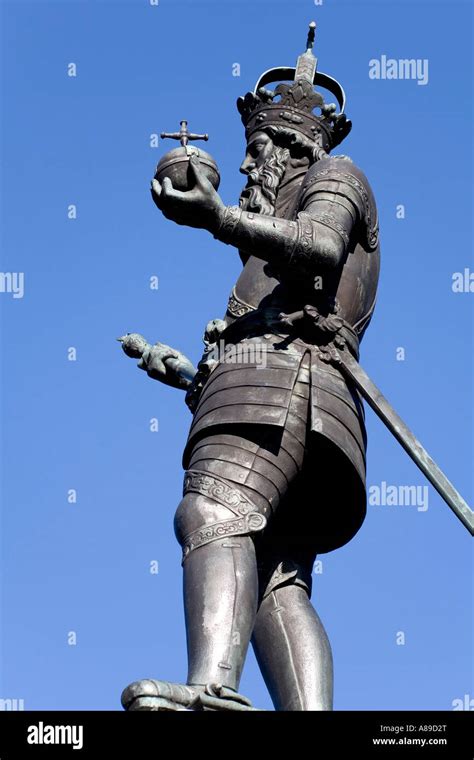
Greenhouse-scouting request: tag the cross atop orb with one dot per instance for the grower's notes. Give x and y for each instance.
(184, 135)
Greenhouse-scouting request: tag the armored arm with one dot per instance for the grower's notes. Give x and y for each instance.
(332, 202)
(306, 243)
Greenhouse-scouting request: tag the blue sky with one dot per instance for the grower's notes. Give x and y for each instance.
(84, 567)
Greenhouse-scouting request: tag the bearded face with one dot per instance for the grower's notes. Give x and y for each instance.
(264, 164)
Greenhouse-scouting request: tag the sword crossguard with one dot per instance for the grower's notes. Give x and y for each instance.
(184, 135)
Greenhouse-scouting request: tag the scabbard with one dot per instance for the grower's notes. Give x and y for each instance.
(353, 371)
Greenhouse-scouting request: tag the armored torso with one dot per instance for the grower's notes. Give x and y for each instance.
(354, 285)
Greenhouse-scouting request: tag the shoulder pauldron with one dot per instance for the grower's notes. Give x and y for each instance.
(342, 177)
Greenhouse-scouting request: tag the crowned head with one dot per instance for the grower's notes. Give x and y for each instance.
(288, 128)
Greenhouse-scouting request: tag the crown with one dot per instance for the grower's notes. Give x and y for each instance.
(292, 105)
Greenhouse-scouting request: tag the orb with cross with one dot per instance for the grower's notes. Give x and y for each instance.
(175, 163)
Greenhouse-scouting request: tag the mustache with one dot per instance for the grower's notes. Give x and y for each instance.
(254, 176)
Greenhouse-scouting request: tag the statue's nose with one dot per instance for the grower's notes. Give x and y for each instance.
(246, 166)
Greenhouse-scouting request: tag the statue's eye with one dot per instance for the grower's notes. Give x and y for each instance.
(255, 149)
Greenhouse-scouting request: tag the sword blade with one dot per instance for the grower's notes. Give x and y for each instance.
(405, 437)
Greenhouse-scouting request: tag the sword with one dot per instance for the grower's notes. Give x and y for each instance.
(352, 370)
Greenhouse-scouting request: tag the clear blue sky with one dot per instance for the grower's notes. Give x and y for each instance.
(84, 425)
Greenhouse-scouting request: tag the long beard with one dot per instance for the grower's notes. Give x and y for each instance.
(260, 193)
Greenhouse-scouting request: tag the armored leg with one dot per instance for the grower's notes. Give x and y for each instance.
(291, 645)
(220, 588)
(220, 579)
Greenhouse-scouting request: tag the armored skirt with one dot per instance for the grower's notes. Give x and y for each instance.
(285, 428)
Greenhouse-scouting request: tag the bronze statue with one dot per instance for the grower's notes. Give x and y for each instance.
(275, 457)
